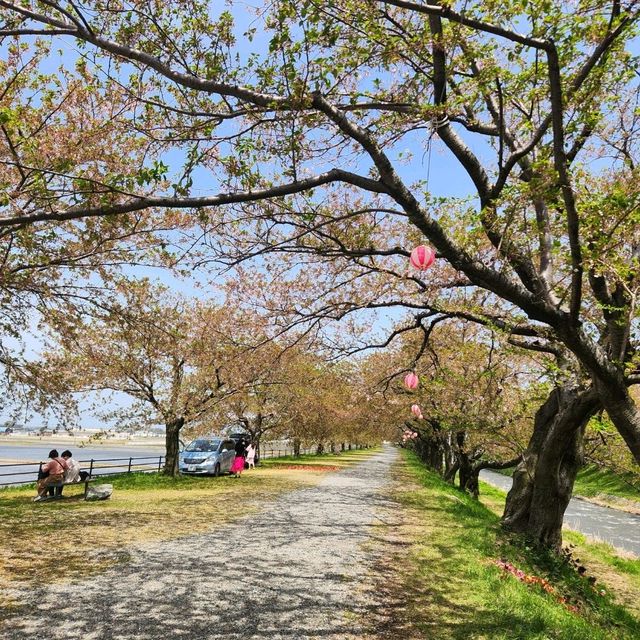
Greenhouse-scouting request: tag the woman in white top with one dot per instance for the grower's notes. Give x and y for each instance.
(251, 456)
(72, 473)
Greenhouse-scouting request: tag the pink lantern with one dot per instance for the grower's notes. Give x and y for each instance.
(422, 257)
(415, 409)
(411, 381)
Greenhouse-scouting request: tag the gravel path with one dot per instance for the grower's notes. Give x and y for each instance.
(308, 561)
(618, 528)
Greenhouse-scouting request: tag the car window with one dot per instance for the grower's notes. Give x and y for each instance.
(203, 445)
(229, 445)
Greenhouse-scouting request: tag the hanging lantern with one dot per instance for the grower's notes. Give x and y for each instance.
(415, 409)
(411, 381)
(422, 257)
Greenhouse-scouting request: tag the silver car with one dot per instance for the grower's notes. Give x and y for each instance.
(207, 456)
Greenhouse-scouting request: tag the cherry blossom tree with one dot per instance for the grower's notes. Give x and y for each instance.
(302, 141)
(171, 355)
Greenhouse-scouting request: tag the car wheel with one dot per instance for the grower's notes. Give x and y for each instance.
(216, 470)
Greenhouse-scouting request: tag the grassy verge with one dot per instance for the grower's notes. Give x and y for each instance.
(619, 571)
(454, 589)
(92, 536)
(608, 488)
(338, 460)
(620, 491)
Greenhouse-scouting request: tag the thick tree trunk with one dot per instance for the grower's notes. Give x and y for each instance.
(296, 448)
(172, 440)
(467, 478)
(429, 452)
(517, 508)
(609, 381)
(332, 447)
(543, 481)
(320, 449)
(468, 466)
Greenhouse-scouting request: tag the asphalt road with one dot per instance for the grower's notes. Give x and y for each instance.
(618, 528)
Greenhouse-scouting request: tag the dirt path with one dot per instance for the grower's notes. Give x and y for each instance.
(296, 570)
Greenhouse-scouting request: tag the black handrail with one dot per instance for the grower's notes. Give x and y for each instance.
(95, 466)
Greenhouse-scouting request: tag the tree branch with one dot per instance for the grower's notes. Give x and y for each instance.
(149, 202)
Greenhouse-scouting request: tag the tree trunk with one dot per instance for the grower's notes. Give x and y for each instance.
(256, 443)
(296, 448)
(473, 479)
(332, 447)
(448, 456)
(468, 476)
(431, 447)
(609, 381)
(543, 481)
(172, 440)
(472, 482)
(320, 449)
(450, 473)
(517, 507)
(622, 410)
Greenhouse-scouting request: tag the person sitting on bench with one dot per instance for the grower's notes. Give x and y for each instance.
(51, 473)
(72, 473)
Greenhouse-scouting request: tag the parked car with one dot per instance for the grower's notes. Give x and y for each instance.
(207, 456)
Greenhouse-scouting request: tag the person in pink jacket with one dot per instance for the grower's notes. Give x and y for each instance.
(51, 473)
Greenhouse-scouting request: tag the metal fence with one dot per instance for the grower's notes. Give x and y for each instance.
(280, 453)
(27, 472)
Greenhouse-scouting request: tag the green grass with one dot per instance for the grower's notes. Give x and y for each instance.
(593, 480)
(455, 591)
(494, 499)
(342, 459)
(610, 565)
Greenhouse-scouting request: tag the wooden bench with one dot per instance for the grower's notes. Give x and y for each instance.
(70, 484)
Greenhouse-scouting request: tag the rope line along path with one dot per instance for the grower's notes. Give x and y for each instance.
(295, 570)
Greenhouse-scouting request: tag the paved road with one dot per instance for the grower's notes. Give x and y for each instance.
(294, 571)
(618, 528)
